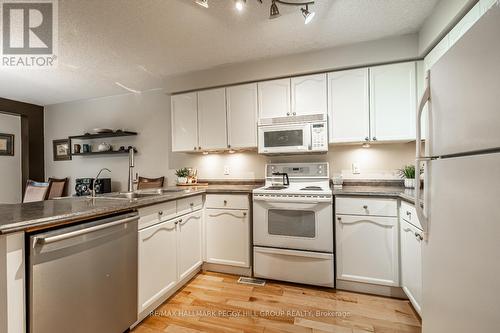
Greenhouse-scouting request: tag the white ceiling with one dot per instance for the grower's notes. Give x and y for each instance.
(139, 43)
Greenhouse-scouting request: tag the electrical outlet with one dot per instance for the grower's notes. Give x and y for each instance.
(355, 168)
(227, 170)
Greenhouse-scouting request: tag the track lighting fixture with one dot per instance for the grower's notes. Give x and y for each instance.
(274, 11)
(203, 3)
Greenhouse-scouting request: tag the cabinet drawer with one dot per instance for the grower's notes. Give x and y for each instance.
(409, 214)
(229, 201)
(188, 205)
(290, 265)
(151, 215)
(366, 206)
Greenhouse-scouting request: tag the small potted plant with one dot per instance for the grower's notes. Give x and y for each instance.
(182, 175)
(408, 174)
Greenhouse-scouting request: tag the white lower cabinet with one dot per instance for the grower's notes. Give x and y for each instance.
(157, 262)
(169, 251)
(189, 243)
(368, 249)
(228, 237)
(411, 263)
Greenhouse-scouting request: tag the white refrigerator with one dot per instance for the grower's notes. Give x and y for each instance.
(461, 213)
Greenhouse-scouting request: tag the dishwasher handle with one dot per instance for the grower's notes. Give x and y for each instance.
(52, 239)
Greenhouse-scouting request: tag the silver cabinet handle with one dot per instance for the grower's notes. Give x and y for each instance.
(367, 139)
(177, 222)
(160, 212)
(295, 113)
(73, 234)
(374, 138)
(365, 207)
(418, 236)
(225, 202)
(339, 218)
(244, 214)
(199, 148)
(194, 148)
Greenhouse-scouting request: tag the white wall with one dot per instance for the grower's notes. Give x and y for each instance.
(380, 161)
(353, 55)
(146, 113)
(10, 166)
(444, 16)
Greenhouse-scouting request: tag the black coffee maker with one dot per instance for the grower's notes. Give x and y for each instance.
(84, 186)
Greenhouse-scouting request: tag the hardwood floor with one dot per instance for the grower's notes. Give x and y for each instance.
(214, 302)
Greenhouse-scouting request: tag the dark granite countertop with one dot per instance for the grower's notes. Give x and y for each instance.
(49, 213)
(380, 191)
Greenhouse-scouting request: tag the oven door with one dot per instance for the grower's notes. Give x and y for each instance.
(292, 224)
(278, 139)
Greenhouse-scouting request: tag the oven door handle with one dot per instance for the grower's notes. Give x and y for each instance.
(316, 201)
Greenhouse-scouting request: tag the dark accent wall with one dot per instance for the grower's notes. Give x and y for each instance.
(32, 146)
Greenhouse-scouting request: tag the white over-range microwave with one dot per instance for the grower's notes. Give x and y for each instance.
(293, 135)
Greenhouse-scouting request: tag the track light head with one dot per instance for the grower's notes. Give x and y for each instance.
(308, 16)
(239, 4)
(274, 11)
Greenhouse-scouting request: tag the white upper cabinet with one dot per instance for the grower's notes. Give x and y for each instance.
(242, 116)
(393, 102)
(274, 98)
(309, 95)
(212, 119)
(348, 106)
(184, 122)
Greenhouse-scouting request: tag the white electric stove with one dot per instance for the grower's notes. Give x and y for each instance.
(293, 224)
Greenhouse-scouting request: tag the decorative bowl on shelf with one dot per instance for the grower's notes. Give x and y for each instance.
(103, 130)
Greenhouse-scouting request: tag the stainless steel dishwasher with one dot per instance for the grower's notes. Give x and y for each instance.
(83, 278)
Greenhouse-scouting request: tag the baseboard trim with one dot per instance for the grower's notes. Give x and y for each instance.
(234, 270)
(374, 289)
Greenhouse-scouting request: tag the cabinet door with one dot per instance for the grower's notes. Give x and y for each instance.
(393, 102)
(242, 116)
(212, 119)
(367, 249)
(309, 95)
(411, 263)
(348, 106)
(184, 122)
(274, 98)
(157, 262)
(189, 244)
(228, 237)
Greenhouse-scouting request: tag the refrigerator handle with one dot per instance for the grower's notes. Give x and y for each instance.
(421, 213)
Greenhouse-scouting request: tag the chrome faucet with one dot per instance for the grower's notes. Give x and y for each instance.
(131, 179)
(95, 180)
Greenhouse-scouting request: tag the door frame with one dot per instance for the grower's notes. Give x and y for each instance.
(32, 138)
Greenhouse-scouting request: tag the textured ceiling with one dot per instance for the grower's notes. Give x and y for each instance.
(139, 43)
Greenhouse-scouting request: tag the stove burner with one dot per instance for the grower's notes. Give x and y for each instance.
(273, 188)
(311, 188)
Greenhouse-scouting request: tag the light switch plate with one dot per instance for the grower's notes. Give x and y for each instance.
(227, 170)
(355, 168)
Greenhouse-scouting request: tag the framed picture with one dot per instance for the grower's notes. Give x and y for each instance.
(6, 144)
(61, 150)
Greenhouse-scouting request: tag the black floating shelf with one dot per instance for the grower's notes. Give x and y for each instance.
(94, 153)
(102, 135)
